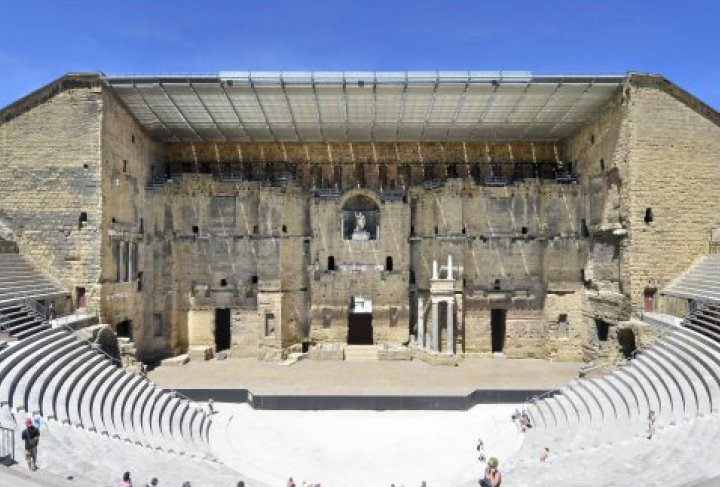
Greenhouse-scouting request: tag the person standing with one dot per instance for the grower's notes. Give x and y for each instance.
(31, 436)
(290, 482)
(126, 482)
(651, 424)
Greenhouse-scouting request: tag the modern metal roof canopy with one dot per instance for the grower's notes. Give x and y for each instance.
(260, 106)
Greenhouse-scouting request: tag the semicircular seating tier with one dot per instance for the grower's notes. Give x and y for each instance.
(597, 430)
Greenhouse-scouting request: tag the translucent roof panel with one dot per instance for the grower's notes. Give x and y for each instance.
(357, 106)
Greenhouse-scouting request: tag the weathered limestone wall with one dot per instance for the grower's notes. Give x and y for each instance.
(129, 290)
(674, 171)
(50, 172)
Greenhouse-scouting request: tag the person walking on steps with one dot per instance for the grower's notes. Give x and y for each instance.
(492, 477)
(31, 436)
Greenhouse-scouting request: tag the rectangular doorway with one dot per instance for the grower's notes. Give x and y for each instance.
(222, 329)
(80, 298)
(649, 298)
(497, 329)
(360, 331)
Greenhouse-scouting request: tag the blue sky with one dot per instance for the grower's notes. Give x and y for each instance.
(41, 40)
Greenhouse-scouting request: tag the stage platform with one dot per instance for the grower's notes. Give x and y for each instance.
(382, 385)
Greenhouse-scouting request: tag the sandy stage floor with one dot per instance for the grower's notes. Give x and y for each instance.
(362, 448)
(370, 378)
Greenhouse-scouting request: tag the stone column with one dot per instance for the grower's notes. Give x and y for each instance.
(421, 323)
(435, 327)
(450, 269)
(435, 270)
(450, 328)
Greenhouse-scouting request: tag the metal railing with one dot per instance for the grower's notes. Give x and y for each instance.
(7, 444)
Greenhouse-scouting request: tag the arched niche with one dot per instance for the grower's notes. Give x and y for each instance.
(361, 216)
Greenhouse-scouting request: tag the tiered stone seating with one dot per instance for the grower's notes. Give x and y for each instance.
(597, 429)
(20, 321)
(700, 282)
(60, 376)
(92, 460)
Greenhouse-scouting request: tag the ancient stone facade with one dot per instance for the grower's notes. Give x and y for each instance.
(264, 248)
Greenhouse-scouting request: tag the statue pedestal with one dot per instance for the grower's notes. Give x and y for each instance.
(360, 235)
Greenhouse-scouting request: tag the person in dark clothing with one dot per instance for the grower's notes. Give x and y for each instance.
(31, 437)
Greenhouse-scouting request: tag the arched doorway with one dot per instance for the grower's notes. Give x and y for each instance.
(222, 329)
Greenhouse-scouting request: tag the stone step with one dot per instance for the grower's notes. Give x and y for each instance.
(361, 353)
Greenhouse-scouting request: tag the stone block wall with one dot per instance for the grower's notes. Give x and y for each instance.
(50, 175)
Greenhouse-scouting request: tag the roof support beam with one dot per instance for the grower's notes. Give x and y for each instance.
(262, 109)
(317, 106)
(235, 110)
(346, 110)
(177, 109)
(519, 101)
(542, 109)
(575, 104)
(209, 113)
(456, 112)
(403, 102)
(486, 109)
(431, 105)
(172, 134)
(292, 115)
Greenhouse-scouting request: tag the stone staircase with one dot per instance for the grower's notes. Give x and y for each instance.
(700, 282)
(361, 353)
(19, 280)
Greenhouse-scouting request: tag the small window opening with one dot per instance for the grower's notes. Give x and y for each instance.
(112, 220)
(389, 263)
(602, 165)
(436, 230)
(132, 138)
(496, 285)
(223, 282)
(195, 229)
(562, 318)
(269, 324)
(464, 231)
(603, 329)
(139, 281)
(331, 263)
(592, 139)
(649, 217)
(284, 228)
(412, 277)
(142, 226)
(524, 230)
(256, 229)
(412, 230)
(82, 220)
(85, 166)
(125, 165)
(584, 232)
(254, 279)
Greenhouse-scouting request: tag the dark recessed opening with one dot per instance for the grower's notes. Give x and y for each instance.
(223, 282)
(82, 219)
(496, 284)
(132, 138)
(254, 279)
(124, 329)
(142, 226)
(602, 164)
(649, 217)
(464, 231)
(284, 228)
(139, 281)
(592, 139)
(331, 263)
(562, 318)
(626, 340)
(195, 229)
(497, 329)
(412, 277)
(125, 165)
(412, 230)
(361, 84)
(602, 328)
(584, 232)
(112, 220)
(85, 166)
(436, 230)
(205, 168)
(389, 263)
(524, 230)
(256, 229)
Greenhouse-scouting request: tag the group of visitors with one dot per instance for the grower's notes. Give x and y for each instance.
(154, 482)
(291, 483)
(521, 420)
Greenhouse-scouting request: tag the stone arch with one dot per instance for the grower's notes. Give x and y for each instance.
(361, 215)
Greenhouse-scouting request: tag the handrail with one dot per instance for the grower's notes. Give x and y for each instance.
(7, 443)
